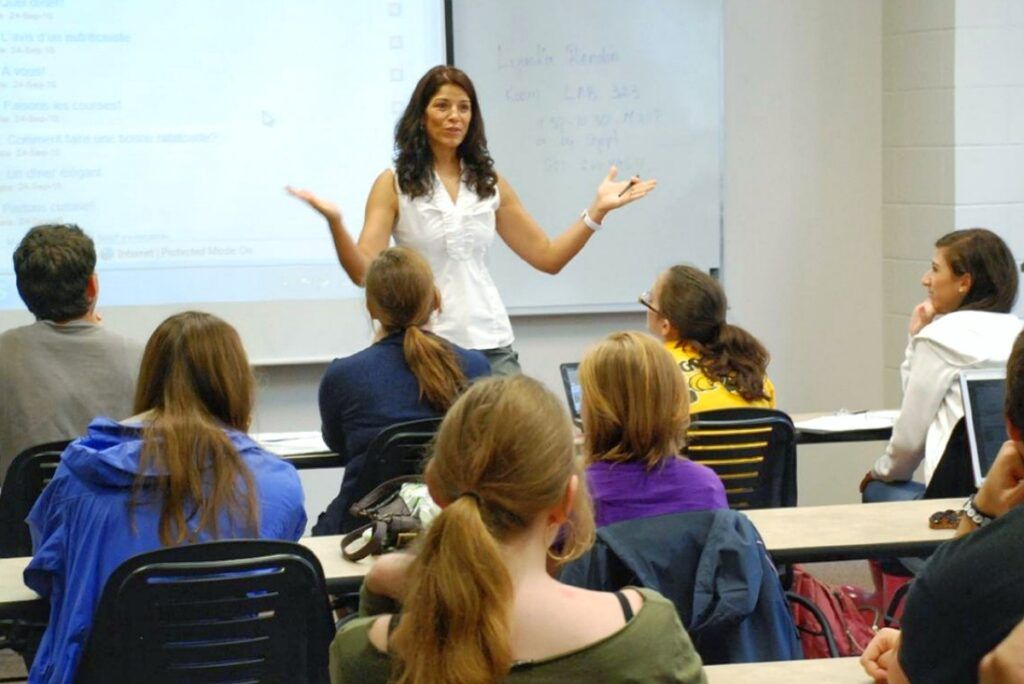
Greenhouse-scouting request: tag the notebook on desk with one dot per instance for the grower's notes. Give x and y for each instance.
(845, 421)
(984, 392)
(573, 393)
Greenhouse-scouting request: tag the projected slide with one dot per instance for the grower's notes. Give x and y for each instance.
(168, 131)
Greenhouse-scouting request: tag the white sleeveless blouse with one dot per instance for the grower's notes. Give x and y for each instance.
(454, 237)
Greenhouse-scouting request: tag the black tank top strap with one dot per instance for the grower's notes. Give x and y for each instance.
(393, 624)
(627, 610)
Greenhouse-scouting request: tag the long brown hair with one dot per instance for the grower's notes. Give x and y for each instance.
(503, 456)
(414, 160)
(635, 403)
(400, 294)
(986, 257)
(694, 303)
(195, 380)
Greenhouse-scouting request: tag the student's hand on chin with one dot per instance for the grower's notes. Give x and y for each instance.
(1003, 488)
(922, 315)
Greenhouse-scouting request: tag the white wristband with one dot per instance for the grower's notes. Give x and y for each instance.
(589, 222)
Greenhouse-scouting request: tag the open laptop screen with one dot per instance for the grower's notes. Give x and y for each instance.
(983, 393)
(573, 393)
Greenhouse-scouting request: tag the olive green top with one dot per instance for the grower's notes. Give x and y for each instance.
(652, 647)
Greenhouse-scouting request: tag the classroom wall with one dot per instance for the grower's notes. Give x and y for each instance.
(989, 111)
(919, 160)
(803, 239)
(953, 127)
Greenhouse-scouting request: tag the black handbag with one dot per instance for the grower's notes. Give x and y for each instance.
(391, 523)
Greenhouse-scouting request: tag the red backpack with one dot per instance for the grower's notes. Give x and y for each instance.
(850, 628)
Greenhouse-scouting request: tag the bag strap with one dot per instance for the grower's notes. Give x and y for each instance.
(374, 546)
(380, 492)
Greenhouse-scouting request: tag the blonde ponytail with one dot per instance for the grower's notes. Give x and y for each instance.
(502, 457)
(455, 625)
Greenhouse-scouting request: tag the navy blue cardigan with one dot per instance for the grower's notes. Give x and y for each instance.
(362, 394)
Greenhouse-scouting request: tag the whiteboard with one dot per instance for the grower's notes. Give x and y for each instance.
(569, 88)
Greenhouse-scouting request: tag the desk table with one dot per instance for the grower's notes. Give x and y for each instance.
(302, 449)
(830, 670)
(871, 434)
(343, 576)
(17, 600)
(812, 534)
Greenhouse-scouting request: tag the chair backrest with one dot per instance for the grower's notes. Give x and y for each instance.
(227, 611)
(26, 478)
(397, 450)
(753, 451)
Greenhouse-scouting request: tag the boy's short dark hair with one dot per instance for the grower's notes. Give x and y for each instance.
(52, 265)
(1015, 384)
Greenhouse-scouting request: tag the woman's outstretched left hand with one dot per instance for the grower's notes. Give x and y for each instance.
(612, 194)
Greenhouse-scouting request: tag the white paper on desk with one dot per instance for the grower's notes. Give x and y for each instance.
(292, 443)
(849, 422)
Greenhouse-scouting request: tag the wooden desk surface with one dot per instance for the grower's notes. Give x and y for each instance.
(341, 575)
(807, 437)
(807, 534)
(12, 587)
(831, 670)
(851, 531)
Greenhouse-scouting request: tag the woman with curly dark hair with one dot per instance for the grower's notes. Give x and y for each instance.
(724, 365)
(445, 200)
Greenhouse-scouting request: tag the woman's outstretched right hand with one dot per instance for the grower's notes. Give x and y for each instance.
(329, 210)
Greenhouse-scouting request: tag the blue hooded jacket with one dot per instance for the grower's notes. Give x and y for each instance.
(82, 531)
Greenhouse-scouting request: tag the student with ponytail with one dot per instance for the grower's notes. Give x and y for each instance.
(478, 603)
(182, 470)
(725, 366)
(407, 374)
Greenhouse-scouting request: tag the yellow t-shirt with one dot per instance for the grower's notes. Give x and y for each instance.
(707, 395)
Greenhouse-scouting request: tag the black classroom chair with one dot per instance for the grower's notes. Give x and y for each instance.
(396, 451)
(752, 450)
(218, 612)
(26, 478)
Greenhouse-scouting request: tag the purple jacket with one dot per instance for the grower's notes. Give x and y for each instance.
(626, 491)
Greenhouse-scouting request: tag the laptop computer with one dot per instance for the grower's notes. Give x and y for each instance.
(984, 392)
(573, 393)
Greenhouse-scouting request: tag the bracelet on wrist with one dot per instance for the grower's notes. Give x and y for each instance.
(976, 516)
(589, 222)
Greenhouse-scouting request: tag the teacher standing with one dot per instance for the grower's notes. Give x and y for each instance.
(445, 200)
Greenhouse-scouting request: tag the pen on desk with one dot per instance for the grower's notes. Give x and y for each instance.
(632, 182)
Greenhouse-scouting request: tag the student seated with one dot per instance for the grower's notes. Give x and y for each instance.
(407, 374)
(970, 594)
(64, 369)
(478, 602)
(725, 366)
(635, 414)
(182, 470)
(964, 323)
